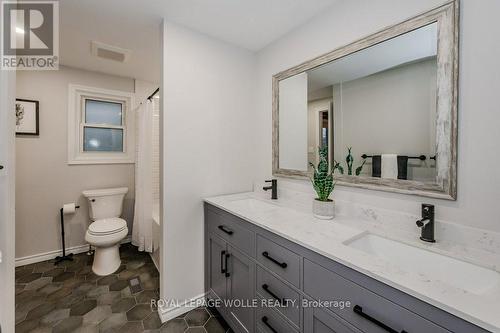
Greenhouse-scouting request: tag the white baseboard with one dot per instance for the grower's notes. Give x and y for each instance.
(167, 314)
(52, 254)
(154, 261)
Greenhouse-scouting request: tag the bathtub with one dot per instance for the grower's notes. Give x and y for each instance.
(156, 235)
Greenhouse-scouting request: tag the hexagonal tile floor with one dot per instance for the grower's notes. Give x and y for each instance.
(69, 297)
(200, 320)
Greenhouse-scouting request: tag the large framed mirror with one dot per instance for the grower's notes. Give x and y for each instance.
(382, 110)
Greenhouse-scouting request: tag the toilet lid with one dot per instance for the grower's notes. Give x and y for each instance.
(107, 226)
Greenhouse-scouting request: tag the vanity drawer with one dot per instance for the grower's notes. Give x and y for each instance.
(317, 320)
(278, 259)
(270, 287)
(269, 321)
(366, 306)
(229, 228)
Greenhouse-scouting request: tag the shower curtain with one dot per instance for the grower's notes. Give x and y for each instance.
(142, 230)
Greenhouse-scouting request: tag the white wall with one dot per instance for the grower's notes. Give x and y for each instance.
(292, 117)
(478, 179)
(207, 147)
(7, 198)
(44, 180)
(391, 112)
(156, 150)
(413, 46)
(313, 126)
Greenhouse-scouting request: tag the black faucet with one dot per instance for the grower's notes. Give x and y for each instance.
(427, 223)
(273, 188)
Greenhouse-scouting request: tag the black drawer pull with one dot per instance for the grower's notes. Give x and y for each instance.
(359, 311)
(226, 270)
(265, 321)
(281, 264)
(273, 295)
(222, 268)
(225, 229)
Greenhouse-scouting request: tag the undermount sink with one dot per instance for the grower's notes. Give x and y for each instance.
(454, 272)
(250, 204)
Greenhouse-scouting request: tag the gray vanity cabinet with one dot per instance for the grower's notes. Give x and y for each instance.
(217, 249)
(367, 306)
(241, 288)
(320, 321)
(230, 273)
(270, 321)
(244, 262)
(279, 260)
(231, 279)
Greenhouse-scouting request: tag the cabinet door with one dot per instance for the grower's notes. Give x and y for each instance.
(217, 280)
(241, 290)
(317, 320)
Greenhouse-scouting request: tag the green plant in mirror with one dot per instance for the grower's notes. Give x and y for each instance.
(349, 160)
(360, 168)
(337, 166)
(322, 179)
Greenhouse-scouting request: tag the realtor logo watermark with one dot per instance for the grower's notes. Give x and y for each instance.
(30, 35)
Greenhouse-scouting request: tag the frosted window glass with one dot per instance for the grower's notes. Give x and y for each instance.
(102, 112)
(103, 139)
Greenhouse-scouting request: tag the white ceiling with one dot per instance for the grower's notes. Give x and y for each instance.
(413, 46)
(134, 25)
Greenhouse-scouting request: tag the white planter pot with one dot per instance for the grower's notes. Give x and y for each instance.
(324, 210)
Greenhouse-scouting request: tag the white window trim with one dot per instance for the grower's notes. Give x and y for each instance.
(76, 155)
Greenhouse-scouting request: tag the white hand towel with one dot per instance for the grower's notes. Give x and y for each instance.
(389, 166)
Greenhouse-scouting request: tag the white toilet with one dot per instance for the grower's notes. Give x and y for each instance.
(107, 228)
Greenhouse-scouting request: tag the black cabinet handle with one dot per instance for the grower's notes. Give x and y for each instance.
(225, 265)
(273, 295)
(265, 321)
(359, 311)
(226, 230)
(222, 268)
(281, 264)
(1, 167)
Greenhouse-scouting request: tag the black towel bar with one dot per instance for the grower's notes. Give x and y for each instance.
(421, 157)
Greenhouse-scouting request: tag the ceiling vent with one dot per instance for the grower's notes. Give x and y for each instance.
(109, 52)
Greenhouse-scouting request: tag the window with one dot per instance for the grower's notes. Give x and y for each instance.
(101, 126)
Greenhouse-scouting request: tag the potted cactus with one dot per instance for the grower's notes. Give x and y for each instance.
(322, 181)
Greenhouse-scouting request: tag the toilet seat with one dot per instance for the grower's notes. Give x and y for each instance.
(107, 226)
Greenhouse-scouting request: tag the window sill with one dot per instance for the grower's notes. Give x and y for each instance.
(100, 161)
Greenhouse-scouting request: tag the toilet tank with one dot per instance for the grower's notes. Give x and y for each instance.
(105, 203)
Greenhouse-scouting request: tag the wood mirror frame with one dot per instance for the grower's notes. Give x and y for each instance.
(445, 187)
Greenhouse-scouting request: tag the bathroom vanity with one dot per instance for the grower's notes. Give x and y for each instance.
(267, 263)
(382, 111)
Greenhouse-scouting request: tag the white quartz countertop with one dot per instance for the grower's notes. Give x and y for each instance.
(329, 238)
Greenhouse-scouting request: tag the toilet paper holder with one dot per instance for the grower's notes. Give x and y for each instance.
(64, 256)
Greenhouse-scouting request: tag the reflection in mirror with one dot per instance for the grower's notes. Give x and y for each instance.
(378, 103)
